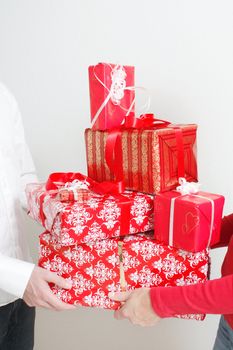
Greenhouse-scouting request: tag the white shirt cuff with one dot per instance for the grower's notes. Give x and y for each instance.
(14, 275)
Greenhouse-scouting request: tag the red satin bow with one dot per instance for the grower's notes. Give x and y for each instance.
(145, 121)
(55, 181)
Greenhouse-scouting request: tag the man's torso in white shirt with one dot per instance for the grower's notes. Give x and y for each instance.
(15, 167)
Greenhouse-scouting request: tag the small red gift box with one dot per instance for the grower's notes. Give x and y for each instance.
(152, 158)
(112, 94)
(190, 222)
(115, 265)
(94, 216)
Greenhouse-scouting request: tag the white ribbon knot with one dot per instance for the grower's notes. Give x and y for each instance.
(118, 77)
(77, 185)
(187, 187)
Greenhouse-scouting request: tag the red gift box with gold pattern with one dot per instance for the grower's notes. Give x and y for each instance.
(149, 157)
(93, 217)
(190, 222)
(115, 265)
(112, 94)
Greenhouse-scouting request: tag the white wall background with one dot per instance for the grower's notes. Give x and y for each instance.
(183, 54)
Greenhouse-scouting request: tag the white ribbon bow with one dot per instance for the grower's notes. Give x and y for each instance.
(187, 187)
(77, 185)
(118, 76)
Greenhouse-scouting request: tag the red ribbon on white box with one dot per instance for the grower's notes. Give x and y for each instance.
(188, 188)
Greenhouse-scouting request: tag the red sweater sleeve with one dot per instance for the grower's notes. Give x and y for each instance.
(211, 297)
(226, 231)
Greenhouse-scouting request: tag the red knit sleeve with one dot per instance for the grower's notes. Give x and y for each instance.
(226, 231)
(211, 297)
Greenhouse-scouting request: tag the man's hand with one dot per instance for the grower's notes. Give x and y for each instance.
(38, 292)
(136, 307)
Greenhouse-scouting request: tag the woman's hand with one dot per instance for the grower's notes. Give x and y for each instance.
(136, 307)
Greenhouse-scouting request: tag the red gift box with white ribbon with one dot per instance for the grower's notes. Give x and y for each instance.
(111, 265)
(112, 94)
(188, 219)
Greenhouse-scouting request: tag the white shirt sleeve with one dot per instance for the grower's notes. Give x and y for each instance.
(15, 275)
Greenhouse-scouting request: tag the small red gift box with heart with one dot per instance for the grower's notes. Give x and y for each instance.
(189, 221)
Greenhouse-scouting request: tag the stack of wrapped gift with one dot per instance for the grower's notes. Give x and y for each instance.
(125, 226)
(96, 240)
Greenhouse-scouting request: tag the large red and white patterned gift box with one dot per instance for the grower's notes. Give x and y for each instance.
(94, 218)
(115, 265)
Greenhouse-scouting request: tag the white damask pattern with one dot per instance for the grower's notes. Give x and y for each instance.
(172, 266)
(140, 209)
(100, 272)
(145, 277)
(130, 261)
(113, 259)
(45, 251)
(62, 294)
(102, 247)
(78, 218)
(99, 299)
(58, 265)
(147, 249)
(110, 213)
(95, 233)
(79, 255)
(81, 284)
